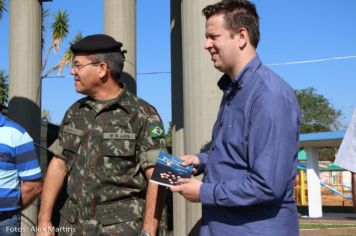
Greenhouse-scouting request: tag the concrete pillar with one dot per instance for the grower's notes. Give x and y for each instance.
(179, 203)
(314, 192)
(120, 23)
(25, 78)
(201, 94)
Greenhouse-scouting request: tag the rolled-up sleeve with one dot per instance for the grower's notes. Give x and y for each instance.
(151, 140)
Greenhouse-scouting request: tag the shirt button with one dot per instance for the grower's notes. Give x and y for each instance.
(228, 104)
(213, 148)
(221, 124)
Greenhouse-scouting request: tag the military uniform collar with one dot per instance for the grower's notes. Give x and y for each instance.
(122, 100)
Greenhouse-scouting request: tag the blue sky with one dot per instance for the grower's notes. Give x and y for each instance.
(291, 31)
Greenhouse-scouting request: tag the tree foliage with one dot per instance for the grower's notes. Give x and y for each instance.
(4, 88)
(2, 8)
(46, 115)
(59, 31)
(318, 114)
(169, 135)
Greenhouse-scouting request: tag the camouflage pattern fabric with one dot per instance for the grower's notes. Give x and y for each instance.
(106, 151)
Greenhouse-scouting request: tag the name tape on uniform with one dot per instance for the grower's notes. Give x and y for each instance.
(119, 136)
(73, 131)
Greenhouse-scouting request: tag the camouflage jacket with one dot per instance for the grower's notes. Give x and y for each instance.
(106, 148)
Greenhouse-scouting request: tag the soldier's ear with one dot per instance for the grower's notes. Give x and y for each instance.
(103, 69)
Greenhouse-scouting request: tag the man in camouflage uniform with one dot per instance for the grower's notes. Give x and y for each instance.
(107, 146)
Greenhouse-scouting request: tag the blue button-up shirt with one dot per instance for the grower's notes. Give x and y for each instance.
(250, 168)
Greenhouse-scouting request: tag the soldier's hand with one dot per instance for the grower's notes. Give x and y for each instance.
(45, 229)
(191, 160)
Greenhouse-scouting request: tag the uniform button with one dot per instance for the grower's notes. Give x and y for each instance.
(213, 148)
(221, 124)
(228, 104)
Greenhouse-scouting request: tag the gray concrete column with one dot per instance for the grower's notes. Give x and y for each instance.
(201, 94)
(179, 203)
(25, 78)
(120, 23)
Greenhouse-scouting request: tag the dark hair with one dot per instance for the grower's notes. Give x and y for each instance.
(237, 14)
(114, 60)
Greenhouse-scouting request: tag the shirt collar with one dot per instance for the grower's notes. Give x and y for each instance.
(122, 100)
(243, 77)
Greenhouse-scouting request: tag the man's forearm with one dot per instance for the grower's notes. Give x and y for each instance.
(154, 206)
(53, 182)
(29, 191)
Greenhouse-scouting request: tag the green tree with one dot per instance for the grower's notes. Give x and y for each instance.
(2, 8)
(4, 88)
(318, 115)
(59, 31)
(168, 138)
(45, 115)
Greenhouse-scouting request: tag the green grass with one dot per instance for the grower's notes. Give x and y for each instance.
(324, 226)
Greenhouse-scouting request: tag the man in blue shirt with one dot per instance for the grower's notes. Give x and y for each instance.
(250, 168)
(20, 175)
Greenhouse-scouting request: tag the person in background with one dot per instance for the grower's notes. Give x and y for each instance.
(346, 155)
(20, 175)
(107, 146)
(250, 168)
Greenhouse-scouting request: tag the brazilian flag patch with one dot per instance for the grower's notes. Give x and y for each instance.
(156, 131)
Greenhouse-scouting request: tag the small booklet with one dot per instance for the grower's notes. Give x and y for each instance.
(168, 170)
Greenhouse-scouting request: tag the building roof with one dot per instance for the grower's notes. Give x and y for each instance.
(321, 139)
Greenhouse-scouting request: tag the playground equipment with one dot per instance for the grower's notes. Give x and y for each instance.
(335, 191)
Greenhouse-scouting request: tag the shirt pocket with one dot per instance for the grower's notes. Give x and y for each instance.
(70, 142)
(118, 154)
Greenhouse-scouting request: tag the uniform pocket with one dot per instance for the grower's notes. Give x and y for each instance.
(118, 154)
(69, 212)
(120, 212)
(70, 142)
(118, 144)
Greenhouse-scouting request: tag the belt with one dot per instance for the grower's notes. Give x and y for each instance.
(4, 215)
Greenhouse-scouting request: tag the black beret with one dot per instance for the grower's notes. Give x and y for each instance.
(96, 43)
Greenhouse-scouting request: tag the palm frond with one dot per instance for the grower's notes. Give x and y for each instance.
(60, 28)
(44, 17)
(2, 8)
(68, 56)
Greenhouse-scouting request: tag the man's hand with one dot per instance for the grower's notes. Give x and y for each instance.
(189, 188)
(191, 160)
(29, 191)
